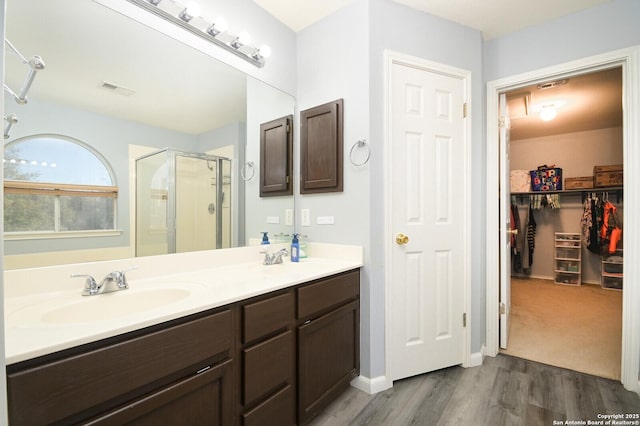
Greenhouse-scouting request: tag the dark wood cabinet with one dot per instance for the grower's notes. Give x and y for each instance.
(328, 341)
(203, 399)
(279, 359)
(321, 148)
(85, 382)
(268, 375)
(276, 157)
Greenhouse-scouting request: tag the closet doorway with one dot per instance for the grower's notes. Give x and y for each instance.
(627, 301)
(564, 311)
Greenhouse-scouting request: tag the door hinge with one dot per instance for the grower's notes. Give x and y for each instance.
(501, 122)
(464, 110)
(464, 319)
(503, 309)
(288, 128)
(287, 179)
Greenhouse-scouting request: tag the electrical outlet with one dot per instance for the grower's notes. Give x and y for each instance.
(273, 219)
(288, 217)
(325, 220)
(305, 217)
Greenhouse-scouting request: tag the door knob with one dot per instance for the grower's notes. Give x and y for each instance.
(512, 231)
(401, 239)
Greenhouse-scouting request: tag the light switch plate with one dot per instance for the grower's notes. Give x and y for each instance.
(273, 219)
(306, 217)
(325, 220)
(288, 217)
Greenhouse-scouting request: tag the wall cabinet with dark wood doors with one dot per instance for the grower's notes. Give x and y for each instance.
(321, 148)
(276, 157)
(278, 358)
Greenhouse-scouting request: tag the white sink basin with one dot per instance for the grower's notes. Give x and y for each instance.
(77, 309)
(114, 305)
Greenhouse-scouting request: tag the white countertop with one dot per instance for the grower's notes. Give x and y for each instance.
(42, 317)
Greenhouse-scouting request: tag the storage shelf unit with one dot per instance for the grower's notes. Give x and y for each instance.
(611, 277)
(567, 263)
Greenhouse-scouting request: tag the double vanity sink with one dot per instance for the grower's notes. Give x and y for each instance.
(215, 334)
(45, 311)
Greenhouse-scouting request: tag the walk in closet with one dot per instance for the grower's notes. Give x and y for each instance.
(564, 241)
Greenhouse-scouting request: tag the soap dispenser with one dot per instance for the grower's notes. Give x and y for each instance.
(295, 249)
(265, 238)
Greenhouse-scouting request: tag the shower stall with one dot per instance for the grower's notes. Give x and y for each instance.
(183, 202)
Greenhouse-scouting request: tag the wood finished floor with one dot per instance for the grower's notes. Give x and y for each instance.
(505, 390)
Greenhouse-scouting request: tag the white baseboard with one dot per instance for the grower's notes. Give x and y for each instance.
(371, 386)
(476, 358)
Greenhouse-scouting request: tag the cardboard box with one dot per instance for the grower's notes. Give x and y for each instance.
(582, 182)
(608, 176)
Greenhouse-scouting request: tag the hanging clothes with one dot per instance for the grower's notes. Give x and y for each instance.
(516, 239)
(531, 235)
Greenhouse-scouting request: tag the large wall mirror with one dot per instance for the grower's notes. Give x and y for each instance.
(127, 91)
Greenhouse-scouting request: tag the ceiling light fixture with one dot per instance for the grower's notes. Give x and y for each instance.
(548, 113)
(239, 45)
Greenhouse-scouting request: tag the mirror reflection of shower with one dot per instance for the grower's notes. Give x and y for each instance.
(183, 202)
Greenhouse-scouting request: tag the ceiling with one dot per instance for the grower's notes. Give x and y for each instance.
(492, 17)
(584, 102)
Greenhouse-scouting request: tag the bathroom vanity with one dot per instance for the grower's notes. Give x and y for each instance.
(278, 353)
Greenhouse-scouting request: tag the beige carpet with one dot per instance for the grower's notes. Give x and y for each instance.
(574, 327)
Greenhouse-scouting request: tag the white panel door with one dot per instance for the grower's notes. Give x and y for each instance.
(427, 186)
(505, 221)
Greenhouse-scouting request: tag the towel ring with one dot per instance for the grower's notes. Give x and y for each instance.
(362, 143)
(243, 171)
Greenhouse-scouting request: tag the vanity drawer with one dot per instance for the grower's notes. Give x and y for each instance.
(267, 365)
(323, 295)
(53, 391)
(267, 316)
(279, 406)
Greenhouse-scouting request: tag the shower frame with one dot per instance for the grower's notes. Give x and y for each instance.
(171, 161)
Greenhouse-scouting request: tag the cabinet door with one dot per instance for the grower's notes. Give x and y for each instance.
(321, 152)
(276, 155)
(328, 358)
(203, 399)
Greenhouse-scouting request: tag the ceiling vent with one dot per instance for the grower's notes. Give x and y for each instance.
(552, 84)
(120, 90)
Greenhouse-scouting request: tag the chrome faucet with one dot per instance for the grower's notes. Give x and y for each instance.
(275, 258)
(113, 281)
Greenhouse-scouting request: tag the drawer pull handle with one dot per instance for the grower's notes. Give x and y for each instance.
(202, 370)
(307, 322)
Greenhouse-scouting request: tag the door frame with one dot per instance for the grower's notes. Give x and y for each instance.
(627, 58)
(390, 58)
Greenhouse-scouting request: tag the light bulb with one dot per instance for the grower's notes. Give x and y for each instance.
(265, 51)
(548, 113)
(219, 26)
(192, 8)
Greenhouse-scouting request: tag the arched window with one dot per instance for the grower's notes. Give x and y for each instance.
(57, 184)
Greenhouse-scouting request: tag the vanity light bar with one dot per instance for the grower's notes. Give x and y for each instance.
(248, 53)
